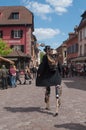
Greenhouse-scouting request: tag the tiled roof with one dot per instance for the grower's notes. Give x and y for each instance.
(83, 21)
(25, 16)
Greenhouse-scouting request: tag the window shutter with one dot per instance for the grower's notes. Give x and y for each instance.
(1, 34)
(22, 48)
(21, 33)
(12, 34)
(11, 46)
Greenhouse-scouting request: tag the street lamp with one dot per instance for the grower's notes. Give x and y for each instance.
(42, 45)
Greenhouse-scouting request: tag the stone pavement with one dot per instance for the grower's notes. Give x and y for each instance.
(22, 108)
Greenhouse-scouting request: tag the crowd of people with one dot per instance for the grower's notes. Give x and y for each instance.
(12, 77)
(73, 69)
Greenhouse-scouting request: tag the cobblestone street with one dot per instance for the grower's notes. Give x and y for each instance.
(22, 108)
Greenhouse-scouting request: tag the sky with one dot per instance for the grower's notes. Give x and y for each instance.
(53, 19)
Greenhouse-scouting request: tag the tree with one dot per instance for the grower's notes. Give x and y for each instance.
(41, 56)
(4, 48)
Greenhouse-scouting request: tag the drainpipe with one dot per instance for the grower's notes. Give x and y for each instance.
(25, 39)
(25, 45)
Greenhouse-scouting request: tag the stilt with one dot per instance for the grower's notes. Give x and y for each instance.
(57, 107)
(47, 98)
(59, 102)
(47, 102)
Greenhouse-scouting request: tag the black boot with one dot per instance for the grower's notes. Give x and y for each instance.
(24, 83)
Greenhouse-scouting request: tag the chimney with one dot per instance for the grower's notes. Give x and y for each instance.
(71, 35)
(75, 29)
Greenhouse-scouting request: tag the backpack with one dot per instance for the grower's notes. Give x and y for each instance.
(4, 72)
(52, 63)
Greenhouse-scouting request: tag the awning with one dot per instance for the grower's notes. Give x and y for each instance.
(79, 59)
(7, 60)
(17, 53)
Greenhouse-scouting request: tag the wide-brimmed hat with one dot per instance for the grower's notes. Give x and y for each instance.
(54, 52)
(47, 48)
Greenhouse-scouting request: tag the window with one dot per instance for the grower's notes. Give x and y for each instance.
(85, 32)
(22, 48)
(15, 15)
(80, 50)
(1, 34)
(16, 33)
(80, 35)
(85, 49)
(76, 47)
(18, 47)
(65, 53)
(69, 50)
(72, 49)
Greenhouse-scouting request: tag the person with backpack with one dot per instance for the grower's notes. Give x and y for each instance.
(49, 74)
(4, 76)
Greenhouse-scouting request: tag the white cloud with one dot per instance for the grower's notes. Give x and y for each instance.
(46, 33)
(60, 6)
(60, 10)
(60, 3)
(40, 9)
(64, 34)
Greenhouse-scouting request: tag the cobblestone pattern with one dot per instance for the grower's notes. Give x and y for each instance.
(22, 108)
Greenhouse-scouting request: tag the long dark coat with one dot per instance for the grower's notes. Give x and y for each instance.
(45, 77)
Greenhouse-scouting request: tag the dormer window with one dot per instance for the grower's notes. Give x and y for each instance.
(15, 15)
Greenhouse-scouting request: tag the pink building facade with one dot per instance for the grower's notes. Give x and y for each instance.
(16, 27)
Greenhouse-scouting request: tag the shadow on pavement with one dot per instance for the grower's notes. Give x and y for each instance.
(72, 126)
(76, 83)
(28, 109)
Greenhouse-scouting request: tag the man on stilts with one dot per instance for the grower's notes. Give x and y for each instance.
(49, 74)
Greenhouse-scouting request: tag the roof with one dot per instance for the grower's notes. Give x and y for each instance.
(25, 16)
(7, 60)
(83, 58)
(17, 53)
(83, 21)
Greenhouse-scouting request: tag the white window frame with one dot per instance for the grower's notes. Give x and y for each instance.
(16, 34)
(17, 47)
(85, 33)
(15, 15)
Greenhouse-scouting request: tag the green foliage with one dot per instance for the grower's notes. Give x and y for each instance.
(4, 48)
(41, 56)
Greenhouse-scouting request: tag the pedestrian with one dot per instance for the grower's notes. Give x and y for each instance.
(84, 70)
(12, 72)
(50, 75)
(34, 71)
(4, 76)
(27, 75)
(18, 76)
